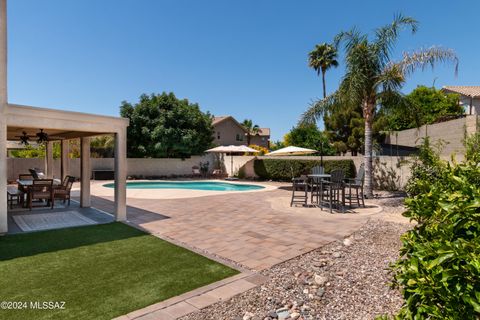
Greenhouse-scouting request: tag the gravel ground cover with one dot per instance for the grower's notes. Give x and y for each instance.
(342, 280)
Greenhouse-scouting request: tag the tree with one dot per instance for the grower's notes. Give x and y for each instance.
(162, 126)
(430, 105)
(345, 129)
(373, 79)
(308, 136)
(322, 58)
(103, 146)
(250, 128)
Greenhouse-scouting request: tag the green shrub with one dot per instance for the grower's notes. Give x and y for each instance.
(439, 268)
(285, 169)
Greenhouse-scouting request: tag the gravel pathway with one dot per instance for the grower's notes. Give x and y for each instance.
(342, 280)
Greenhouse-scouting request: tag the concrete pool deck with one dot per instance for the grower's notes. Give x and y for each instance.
(254, 229)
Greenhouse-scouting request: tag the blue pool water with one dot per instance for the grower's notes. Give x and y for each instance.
(197, 185)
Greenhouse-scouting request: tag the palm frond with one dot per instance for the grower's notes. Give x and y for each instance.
(386, 36)
(318, 109)
(350, 39)
(424, 58)
(391, 79)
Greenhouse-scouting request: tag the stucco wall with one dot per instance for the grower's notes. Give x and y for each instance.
(260, 141)
(135, 167)
(452, 132)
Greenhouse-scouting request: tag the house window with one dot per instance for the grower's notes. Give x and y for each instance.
(263, 139)
(239, 137)
(218, 135)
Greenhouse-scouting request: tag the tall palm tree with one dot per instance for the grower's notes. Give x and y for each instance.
(322, 58)
(250, 128)
(373, 79)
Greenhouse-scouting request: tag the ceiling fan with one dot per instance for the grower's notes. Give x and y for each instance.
(42, 137)
(24, 138)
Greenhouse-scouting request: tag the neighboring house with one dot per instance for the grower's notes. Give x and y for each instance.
(262, 138)
(228, 131)
(469, 97)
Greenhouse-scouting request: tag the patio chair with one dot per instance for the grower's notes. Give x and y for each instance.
(315, 182)
(37, 173)
(218, 173)
(357, 185)
(63, 191)
(334, 190)
(196, 171)
(299, 190)
(41, 189)
(21, 189)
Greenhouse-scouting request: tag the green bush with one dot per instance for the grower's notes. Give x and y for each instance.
(284, 169)
(439, 268)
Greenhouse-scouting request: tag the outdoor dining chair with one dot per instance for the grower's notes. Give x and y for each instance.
(299, 190)
(63, 191)
(357, 185)
(334, 191)
(315, 183)
(41, 189)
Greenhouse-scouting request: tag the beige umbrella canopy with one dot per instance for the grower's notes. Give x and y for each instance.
(231, 149)
(291, 151)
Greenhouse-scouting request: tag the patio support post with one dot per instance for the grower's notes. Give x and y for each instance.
(64, 159)
(121, 175)
(49, 159)
(85, 172)
(3, 122)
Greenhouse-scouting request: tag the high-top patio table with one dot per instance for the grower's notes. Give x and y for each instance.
(317, 182)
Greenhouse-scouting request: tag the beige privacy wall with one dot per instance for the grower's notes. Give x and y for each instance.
(135, 167)
(452, 132)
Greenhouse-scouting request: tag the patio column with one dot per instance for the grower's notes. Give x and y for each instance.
(3, 122)
(49, 159)
(64, 159)
(121, 175)
(85, 172)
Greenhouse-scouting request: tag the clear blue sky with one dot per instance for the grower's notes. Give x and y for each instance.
(243, 58)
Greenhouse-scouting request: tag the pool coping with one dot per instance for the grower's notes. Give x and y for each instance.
(99, 189)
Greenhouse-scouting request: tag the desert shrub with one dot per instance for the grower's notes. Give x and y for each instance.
(426, 167)
(439, 268)
(284, 169)
(262, 150)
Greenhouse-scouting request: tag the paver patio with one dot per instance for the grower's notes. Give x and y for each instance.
(254, 229)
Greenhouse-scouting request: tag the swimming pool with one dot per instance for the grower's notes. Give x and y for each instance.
(195, 185)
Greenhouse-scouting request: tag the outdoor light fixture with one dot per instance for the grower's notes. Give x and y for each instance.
(42, 137)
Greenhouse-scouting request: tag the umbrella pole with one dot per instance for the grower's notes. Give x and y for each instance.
(231, 164)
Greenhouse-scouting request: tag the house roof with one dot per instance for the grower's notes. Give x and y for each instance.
(217, 120)
(264, 132)
(469, 91)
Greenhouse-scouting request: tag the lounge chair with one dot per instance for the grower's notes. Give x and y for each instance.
(196, 171)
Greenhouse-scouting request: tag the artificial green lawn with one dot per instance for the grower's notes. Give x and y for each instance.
(100, 271)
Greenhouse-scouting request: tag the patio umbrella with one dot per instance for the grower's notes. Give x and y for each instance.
(291, 151)
(232, 149)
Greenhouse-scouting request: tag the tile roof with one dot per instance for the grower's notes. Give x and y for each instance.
(469, 91)
(218, 119)
(264, 131)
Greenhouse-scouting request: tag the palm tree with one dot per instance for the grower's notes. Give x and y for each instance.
(322, 58)
(250, 128)
(373, 79)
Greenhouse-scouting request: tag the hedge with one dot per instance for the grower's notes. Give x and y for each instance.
(283, 169)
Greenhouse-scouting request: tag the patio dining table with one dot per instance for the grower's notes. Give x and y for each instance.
(24, 186)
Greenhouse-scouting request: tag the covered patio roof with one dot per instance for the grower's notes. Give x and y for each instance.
(59, 125)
